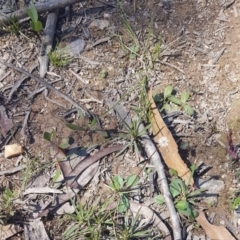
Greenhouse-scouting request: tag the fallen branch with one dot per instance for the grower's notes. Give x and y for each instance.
(156, 160)
(50, 5)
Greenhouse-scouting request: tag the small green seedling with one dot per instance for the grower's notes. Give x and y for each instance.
(11, 25)
(103, 73)
(184, 197)
(6, 202)
(87, 221)
(59, 58)
(234, 201)
(168, 98)
(133, 135)
(35, 24)
(52, 137)
(132, 228)
(122, 188)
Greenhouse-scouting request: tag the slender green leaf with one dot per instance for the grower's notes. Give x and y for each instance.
(123, 205)
(73, 127)
(173, 172)
(176, 187)
(167, 91)
(56, 176)
(64, 143)
(132, 180)
(195, 193)
(36, 26)
(32, 12)
(182, 205)
(117, 182)
(159, 199)
(175, 100)
(47, 136)
(185, 96)
(188, 109)
(93, 123)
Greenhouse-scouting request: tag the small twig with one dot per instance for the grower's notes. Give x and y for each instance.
(44, 83)
(3, 77)
(90, 100)
(215, 60)
(25, 124)
(102, 40)
(52, 101)
(19, 82)
(89, 60)
(172, 66)
(13, 170)
(78, 77)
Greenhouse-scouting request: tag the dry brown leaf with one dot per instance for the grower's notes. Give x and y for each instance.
(214, 232)
(170, 152)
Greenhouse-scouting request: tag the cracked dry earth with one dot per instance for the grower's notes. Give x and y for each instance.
(199, 53)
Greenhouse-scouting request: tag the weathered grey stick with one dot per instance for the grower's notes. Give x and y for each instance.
(156, 160)
(40, 7)
(47, 42)
(44, 83)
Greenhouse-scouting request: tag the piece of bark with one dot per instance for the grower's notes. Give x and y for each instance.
(47, 42)
(40, 7)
